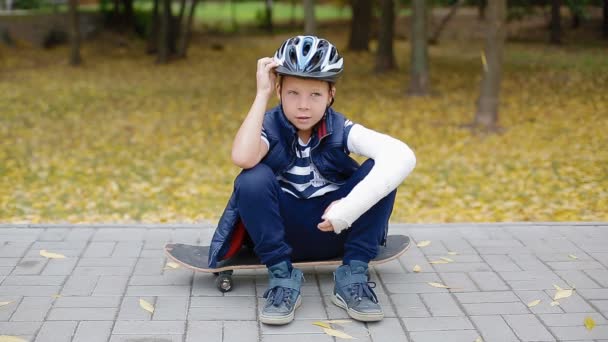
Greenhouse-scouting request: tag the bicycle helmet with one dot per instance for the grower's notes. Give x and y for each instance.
(309, 57)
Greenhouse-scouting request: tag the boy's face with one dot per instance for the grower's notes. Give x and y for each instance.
(304, 100)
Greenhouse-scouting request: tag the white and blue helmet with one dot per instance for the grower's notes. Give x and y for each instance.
(309, 57)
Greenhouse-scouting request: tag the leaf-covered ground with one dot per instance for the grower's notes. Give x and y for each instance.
(122, 139)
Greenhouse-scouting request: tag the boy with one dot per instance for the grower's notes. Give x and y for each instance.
(300, 195)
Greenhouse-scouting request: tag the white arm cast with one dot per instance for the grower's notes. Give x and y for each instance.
(393, 161)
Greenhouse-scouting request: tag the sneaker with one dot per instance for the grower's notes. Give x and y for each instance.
(283, 294)
(354, 292)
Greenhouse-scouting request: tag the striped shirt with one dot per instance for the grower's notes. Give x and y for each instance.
(303, 180)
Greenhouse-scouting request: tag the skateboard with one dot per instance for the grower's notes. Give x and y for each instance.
(195, 258)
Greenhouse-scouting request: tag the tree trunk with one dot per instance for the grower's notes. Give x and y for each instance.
(481, 9)
(310, 23)
(269, 26)
(385, 57)
(556, 26)
(360, 25)
(235, 24)
(165, 31)
(419, 69)
(154, 29)
(185, 35)
(444, 21)
(129, 15)
(75, 58)
(605, 19)
(486, 116)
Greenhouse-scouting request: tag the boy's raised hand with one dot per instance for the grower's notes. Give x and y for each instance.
(266, 76)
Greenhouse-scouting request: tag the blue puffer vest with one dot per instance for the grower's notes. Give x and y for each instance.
(329, 154)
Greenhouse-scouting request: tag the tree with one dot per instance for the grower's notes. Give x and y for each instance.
(75, 58)
(556, 18)
(486, 116)
(435, 36)
(268, 16)
(481, 9)
(360, 27)
(186, 31)
(419, 70)
(164, 36)
(605, 19)
(385, 57)
(310, 23)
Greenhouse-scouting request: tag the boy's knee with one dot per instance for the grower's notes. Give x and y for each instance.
(255, 179)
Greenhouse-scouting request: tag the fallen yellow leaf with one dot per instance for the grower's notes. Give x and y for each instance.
(438, 285)
(562, 294)
(417, 268)
(321, 324)
(146, 306)
(452, 253)
(572, 256)
(5, 303)
(337, 333)
(6, 338)
(56, 296)
(478, 339)
(50, 255)
(534, 303)
(423, 243)
(554, 303)
(589, 323)
(557, 287)
(446, 259)
(438, 262)
(173, 264)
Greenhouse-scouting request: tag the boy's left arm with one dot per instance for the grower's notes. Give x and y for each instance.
(393, 161)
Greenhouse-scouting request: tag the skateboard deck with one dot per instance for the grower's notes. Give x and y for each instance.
(195, 258)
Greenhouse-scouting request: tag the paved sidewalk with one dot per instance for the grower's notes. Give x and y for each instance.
(93, 294)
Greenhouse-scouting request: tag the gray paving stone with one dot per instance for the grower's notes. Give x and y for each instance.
(600, 276)
(494, 328)
(579, 333)
(127, 249)
(410, 305)
(178, 277)
(414, 288)
(9, 261)
(222, 308)
(299, 338)
(149, 266)
(570, 319)
(488, 281)
(241, 331)
(574, 303)
(169, 290)
(462, 267)
(111, 286)
(79, 285)
(602, 305)
(56, 332)
(445, 335)
(211, 330)
(54, 234)
(294, 328)
(130, 309)
(146, 338)
(31, 280)
(101, 271)
(29, 266)
(389, 329)
(99, 249)
(528, 328)
(87, 302)
(578, 278)
(83, 234)
(85, 314)
(576, 265)
(487, 297)
(117, 234)
(459, 282)
(544, 306)
(437, 323)
(171, 309)
(32, 309)
(528, 262)
(93, 331)
(107, 262)
(60, 266)
(441, 304)
(499, 262)
(29, 291)
(52, 246)
(458, 245)
(11, 249)
(593, 293)
(149, 328)
(495, 308)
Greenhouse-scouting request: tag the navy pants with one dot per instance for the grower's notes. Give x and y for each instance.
(284, 228)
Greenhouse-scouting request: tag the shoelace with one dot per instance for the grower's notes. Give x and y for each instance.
(279, 295)
(359, 290)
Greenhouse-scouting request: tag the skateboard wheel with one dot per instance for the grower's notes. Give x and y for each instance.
(224, 282)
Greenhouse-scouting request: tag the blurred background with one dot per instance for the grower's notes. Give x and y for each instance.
(125, 110)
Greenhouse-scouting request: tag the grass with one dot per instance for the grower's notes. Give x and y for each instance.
(122, 139)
